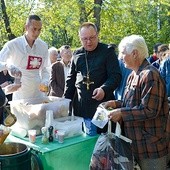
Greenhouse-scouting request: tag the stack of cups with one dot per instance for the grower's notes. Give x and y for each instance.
(60, 134)
(49, 118)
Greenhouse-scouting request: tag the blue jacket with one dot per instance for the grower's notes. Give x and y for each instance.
(120, 89)
(165, 73)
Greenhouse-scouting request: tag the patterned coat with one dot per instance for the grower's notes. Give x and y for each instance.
(145, 112)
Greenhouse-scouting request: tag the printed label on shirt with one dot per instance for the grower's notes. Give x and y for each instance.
(34, 62)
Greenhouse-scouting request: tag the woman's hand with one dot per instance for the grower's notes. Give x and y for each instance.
(111, 104)
(115, 115)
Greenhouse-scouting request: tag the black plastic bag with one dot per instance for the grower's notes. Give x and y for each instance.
(112, 152)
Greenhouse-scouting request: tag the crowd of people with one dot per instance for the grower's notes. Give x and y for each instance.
(134, 85)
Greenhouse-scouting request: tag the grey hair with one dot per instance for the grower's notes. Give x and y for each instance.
(134, 42)
(51, 49)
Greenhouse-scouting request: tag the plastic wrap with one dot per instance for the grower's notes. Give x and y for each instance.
(31, 113)
(71, 125)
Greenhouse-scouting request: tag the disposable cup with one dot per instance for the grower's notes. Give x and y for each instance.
(49, 118)
(32, 135)
(60, 134)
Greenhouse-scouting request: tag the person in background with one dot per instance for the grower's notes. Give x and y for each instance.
(7, 74)
(30, 55)
(93, 76)
(114, 46)
(3, 101)
(59, 72)
(154, 56)
(53, 54)
(119, 91)
(160, 54)
(165, 71)
(143, 112)
(5, 80)
(13, 72)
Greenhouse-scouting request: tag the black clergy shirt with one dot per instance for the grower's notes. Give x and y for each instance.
(104, 72)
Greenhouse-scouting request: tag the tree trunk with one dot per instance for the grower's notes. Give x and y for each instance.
(83, 13)
(6, 21)
(97, 10)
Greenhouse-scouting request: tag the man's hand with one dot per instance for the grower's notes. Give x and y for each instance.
(43, 88)
(98, 94)
(14, 71)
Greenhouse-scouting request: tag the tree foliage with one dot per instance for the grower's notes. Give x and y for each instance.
(115, 19)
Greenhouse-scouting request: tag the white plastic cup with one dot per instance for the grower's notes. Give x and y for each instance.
(49, 118)
(32, 135)
(60, 134)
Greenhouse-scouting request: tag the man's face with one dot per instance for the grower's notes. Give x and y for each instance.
(53, 56)
(33, 29)
(66, 55)
(89, 38)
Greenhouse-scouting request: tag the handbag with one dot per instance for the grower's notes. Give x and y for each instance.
(112, 151)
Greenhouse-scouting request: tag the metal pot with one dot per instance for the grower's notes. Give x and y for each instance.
(11, 148)
(18, 156)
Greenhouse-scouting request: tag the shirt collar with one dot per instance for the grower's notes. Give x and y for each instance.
(143, 65)
(26, 43)
(68, 65)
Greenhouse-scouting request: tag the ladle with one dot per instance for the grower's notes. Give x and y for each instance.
(10, 119)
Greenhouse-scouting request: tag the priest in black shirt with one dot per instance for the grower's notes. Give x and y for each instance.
(94, 74)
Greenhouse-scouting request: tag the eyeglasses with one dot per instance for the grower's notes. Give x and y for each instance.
(66, 46)
(92, 38)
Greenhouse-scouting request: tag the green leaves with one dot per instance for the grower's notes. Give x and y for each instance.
(62, 18)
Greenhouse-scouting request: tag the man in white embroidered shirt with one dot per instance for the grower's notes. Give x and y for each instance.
(30, 55)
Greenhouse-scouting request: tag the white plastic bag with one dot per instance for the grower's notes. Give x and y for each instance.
(71, 126)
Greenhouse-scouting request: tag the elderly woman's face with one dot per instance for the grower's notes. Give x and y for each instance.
(128, 59)
(89, 38)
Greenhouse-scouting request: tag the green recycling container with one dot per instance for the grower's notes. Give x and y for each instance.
(15, 156)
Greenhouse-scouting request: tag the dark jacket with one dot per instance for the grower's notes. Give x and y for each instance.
(104, 72)
(57, 80)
